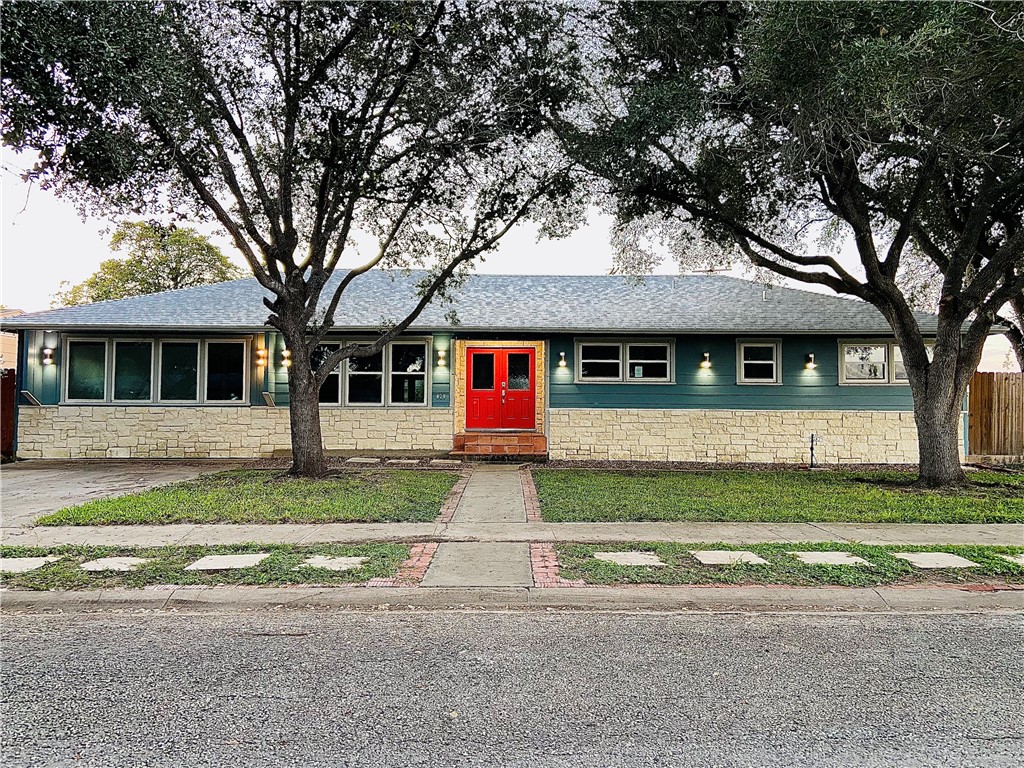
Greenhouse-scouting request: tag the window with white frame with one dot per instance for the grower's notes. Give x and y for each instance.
(364, 380)
(179, 372)
(133, 370)
(408, 372)
(225, 371)
(330, 390)
(86, 370)
(648, 362)
(864, 363)
(899, 369)
(599, 361)
(759, 362)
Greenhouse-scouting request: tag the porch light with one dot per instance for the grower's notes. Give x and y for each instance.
(561, 360)
(811, 365)
(261, 357)
(47, 356)
(706, 362)
(286, 358)
(442, 354)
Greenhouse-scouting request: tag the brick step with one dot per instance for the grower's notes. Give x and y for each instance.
(482, 444)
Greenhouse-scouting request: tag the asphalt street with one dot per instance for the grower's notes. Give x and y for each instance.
(512, 689)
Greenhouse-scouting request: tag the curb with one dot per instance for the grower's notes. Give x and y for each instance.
(188, 600)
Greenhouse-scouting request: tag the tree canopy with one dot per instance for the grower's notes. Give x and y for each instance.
(157, 258)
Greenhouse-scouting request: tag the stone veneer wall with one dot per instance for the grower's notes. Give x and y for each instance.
(161, 432)
(726, 436)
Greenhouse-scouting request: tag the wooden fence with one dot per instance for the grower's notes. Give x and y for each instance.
(996, 415)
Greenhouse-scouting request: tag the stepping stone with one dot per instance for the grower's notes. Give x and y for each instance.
(362, 460)
(403, 462)
(25, 564)
(1015, 559)
(114, 564)
(227, 562)
(727, 557)
(630, 558)
(829, 558)
(334, 563)
(935, 560)
(445, 462)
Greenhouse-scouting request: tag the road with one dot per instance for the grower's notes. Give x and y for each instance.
(512, 689)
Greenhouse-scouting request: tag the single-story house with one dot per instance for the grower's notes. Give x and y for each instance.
(689, 368)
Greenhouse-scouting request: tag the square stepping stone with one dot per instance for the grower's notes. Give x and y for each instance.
(403, 462)
(727, 557)
(1015, 559)
(630, 558)
(25, 564)
(445, 462)
(362, 460)
(935, 560)
(829, 558)
(334, 563)
(227, 562)
(114, 564)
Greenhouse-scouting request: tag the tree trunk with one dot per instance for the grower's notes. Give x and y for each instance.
(304, 409)
(938, 440)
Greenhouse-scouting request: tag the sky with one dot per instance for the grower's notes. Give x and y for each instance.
(44, 240)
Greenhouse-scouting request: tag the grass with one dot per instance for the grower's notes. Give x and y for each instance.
(267, 496)
(577, 562)
(581, 495)
(168, 566)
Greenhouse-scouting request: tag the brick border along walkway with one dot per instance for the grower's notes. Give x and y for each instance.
(544, 564)
(454, 497)
(411, 571)
(530, 495)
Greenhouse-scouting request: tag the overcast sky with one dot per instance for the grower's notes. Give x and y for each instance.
(44, 240)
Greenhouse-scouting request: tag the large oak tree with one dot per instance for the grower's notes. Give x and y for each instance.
(896, 127)
(304, 129)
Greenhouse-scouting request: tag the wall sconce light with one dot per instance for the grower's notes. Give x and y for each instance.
(47, 356)
(706, 362)
(561, 360)
(286, 358)
(261, 357)
(811, 365)
(442, 358)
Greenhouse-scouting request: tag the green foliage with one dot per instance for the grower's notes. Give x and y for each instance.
(263, 496)
(157, 258)
(577, 562)
(578, 495)
(167, 566)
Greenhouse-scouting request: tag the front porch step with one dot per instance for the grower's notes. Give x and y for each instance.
(497, 445)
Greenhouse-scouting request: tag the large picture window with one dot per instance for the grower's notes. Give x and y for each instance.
(87, 370)
(364, 382)
(133, 370)
(759, 362)
(634, 362)
(408, 373)
(225, 371)
(179, 371)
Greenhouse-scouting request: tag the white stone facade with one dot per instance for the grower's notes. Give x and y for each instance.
(162, 432)
(882, 437)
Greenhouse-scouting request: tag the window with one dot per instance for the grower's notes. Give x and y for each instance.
(600, 362)
(899, 370)
(408, 373)
(518, 371)
(365, 380)
(225, 371)
(133, 370)
(647, 362)
(865, 363)
(179, 371)
(483, 371)
(87, 370)
(759, 363)
(330, 390)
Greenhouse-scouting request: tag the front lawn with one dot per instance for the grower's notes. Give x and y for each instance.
(577, 562)
(584, 495)
(268, 496)
(167, 566)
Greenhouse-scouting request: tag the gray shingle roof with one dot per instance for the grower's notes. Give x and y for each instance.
(660, 304)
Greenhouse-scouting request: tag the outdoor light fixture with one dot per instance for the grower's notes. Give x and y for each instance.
(261, 357)
(811, 365)
(47, 356)
(561, 360)
(442, 354)
(286, 358)
(706, 362)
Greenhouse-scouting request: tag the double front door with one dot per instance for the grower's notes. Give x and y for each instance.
(501, 388)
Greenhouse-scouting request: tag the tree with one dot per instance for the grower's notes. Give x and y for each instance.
(739, 130)
(158, 258)
(300, 127)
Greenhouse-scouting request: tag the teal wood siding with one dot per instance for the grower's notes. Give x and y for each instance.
(716, 388)
(441, 382)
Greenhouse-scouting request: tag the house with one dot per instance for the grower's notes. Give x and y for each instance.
(690, 368)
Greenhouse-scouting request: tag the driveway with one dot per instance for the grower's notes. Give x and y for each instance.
(30, 489)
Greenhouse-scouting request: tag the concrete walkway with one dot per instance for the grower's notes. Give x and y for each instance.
(726, 533)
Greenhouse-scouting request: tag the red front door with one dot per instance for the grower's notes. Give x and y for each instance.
(500, 388)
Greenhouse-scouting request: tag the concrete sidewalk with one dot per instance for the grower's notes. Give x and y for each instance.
(728, 533)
